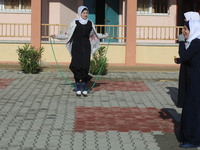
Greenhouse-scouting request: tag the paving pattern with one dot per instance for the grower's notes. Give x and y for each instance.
(127, 119)
(138, 86)
(5, 82)
(124, 111)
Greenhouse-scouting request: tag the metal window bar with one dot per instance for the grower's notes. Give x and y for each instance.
(143, 6)
(15, 5)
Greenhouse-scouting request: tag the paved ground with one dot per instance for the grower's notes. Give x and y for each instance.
(124, 111)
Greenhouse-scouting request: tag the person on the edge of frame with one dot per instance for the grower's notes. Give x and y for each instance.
(182, 84)
(190, 53)
(82, 41)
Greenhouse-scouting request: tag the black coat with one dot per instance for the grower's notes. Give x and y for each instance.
(190, 119)
(81, 52)
(182, 85)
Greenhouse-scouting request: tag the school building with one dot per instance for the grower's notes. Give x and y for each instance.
(143, 32)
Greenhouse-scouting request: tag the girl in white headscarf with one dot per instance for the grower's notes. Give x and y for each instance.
(182, 84)
(190, 54)
(82, 42)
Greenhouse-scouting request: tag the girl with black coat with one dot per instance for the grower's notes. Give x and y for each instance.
(82, 41)
(190, 54)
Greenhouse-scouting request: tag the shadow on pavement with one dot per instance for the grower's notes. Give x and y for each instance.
(174, 116)
(173, 92)
(170, 141)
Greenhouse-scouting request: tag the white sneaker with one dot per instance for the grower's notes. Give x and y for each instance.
(84, 93)
(78, 93)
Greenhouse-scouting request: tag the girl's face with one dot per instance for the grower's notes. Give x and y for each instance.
(186, 32)
(84, 14)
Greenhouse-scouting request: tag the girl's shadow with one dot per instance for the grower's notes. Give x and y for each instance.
(172, 114)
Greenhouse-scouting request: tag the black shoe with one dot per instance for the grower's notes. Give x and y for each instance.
(187, 145)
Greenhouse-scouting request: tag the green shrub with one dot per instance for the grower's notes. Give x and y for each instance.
(96, 62)
(29, 58)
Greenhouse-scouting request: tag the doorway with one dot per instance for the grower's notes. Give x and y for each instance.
(104, 12)
(185, 6)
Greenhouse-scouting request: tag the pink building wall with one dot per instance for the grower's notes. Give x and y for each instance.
(64, 11)
(69, 9)
(159, 20)
(54, 13)
(15, 18)
(169, 19)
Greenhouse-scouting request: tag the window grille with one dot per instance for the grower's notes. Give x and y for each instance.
(160, 6)
(152, 6)
(143, 6)
(15, 5)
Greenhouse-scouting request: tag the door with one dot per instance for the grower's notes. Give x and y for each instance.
(104, 12)
(91, 5)
(185, 6)
(112, 17)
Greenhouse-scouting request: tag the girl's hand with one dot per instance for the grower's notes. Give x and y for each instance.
(177, 60)
(115, 38)
(53, 35)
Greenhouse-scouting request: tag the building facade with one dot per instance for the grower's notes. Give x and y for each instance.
(145, 29)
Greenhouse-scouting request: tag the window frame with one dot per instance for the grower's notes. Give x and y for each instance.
(150, 12)
(20, 10)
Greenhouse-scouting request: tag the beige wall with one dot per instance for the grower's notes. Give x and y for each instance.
(115, 55)
(145, 54)
(156, 55)
(9, 53)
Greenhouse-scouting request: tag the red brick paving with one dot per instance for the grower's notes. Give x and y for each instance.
(5, 82)
(139, 86)
(102, 119)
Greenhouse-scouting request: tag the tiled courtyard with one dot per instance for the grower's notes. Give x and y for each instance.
(124, 111)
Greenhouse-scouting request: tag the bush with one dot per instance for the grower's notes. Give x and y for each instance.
(29, 58)
(96, 62)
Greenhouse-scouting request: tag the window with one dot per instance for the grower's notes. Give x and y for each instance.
(152, 6)
(15, 5)
(143, 6)
(160, 6)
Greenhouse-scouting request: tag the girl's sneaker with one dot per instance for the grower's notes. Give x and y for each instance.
(84, 93)
(78, 93)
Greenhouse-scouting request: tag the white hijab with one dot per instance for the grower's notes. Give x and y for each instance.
(192, 16)
(80, 19)
(194, 32)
